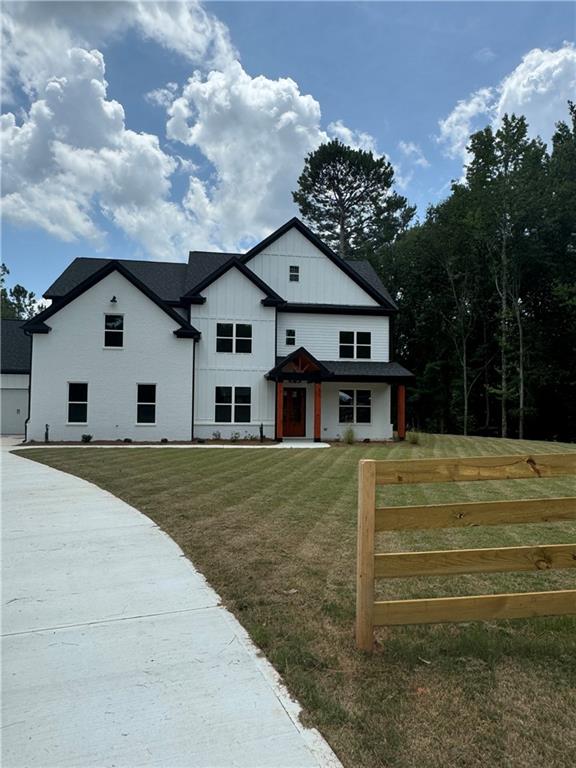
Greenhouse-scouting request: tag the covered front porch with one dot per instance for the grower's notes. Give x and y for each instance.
(322, 400)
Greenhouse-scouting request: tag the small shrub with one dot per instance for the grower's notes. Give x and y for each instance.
(86, 438)
(349, 437)
(127, 440)
(413, 437)
(234, 437)
(164, 440)
(217, 435)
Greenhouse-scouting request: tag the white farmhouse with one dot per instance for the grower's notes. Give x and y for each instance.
(288, 337)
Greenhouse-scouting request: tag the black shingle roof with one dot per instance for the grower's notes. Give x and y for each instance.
(342, 368)
(366, 370)
(15, 347)
(367, 271)
(170, 281)
(166, 279)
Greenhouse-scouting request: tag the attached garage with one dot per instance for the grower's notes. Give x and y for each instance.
(14, 377)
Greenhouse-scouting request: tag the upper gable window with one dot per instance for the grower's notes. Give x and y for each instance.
(233, 337)
(356, 345)
(114, 331)
(290, 337)
(294, 274)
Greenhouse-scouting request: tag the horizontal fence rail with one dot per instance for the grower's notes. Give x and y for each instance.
(393, 565)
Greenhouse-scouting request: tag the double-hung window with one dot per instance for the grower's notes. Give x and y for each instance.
(146, 404)
(355, 406)
(232, 405)
(114, 331)
(355, 345)
(77, 403)
(233, 337)
(290, 337)
(294, 273)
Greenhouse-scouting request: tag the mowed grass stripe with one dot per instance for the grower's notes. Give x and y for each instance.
(274, 532)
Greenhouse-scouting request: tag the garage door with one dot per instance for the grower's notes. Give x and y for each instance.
(14, 411)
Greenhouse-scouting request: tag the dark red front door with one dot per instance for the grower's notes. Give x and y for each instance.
(294, 412)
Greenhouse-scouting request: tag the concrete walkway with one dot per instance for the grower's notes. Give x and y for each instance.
(116, 651)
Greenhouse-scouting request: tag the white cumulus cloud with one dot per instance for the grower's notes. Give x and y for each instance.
(538, 88)
(413, 153)
(74, 168)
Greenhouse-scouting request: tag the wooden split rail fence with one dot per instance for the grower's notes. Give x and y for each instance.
(371, 519)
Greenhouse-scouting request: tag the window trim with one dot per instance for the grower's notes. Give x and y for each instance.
(290, 341)
(355, 345)
(232, 404)
(294, 273)
(147, 423)
(235, 338)
(76, 402)
(354, 406)
(107, 330)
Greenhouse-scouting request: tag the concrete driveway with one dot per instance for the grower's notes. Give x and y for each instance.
(116, 651)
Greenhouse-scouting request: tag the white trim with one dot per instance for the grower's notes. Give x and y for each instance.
(113, 330)
(354, 423)
(76, 402)
(155, 403)
(232, 404)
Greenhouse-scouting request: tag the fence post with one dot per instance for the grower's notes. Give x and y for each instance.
(365, 556)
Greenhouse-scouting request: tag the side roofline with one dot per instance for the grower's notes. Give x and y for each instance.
(38, 325)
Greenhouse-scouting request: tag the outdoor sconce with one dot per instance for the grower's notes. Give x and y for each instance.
(113, 300)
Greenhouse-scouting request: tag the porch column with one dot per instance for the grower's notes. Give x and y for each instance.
(401, 405)
(279, 410)
(317, 410)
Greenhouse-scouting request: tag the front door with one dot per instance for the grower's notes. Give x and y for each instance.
(294, 412)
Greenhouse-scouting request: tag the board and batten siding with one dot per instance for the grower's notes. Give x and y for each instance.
(321, 281)
(74, 351)
(320, 334)
(233, 298)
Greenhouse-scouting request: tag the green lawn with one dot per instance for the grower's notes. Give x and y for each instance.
(274, 532)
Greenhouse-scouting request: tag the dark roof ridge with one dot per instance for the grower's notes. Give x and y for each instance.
(37, 324)
(194, 294)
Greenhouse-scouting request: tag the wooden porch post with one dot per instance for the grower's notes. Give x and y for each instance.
(401, 404)
(317, 410)
(279, 410)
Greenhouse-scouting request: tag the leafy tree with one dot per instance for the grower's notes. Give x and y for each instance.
(486, 287)
(17, 303)
(346, 195)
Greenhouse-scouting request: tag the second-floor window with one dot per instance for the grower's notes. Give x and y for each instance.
(294, 273)
(356, 345)
(290, 337)
(233, 337)
(114, 331)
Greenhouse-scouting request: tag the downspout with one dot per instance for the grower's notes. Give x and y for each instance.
(275, 383)
(193, 387)
(27, 333)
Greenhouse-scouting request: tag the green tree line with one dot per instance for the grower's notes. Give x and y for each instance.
(485, 284)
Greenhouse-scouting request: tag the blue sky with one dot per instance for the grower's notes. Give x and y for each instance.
(218, 159)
